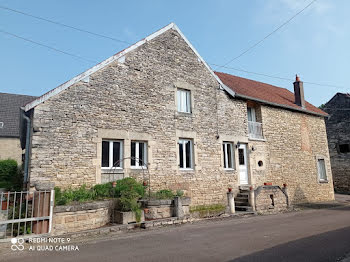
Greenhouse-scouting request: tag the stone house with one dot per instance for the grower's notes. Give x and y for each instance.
(338, 132)
(156, 111)
(10, 147)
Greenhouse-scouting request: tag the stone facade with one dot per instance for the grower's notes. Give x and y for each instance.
(293, 143)
(10, 148)
(135, 99)
(338, 132)
(270, 199)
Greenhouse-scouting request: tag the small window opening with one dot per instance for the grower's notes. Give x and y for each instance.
(272, 201)
(344, 148)
(260, 163)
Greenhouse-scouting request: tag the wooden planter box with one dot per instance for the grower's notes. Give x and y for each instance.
(127, 217)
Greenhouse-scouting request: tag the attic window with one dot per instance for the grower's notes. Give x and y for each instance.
(1, 124)
(344, 148)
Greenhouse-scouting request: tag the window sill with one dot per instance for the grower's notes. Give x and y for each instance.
(229, 169)
(112, 170)
(186, 169)
(256, 139)
(184, 114)
(323, 181)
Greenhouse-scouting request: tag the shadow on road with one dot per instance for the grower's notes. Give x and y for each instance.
(327, 247)
(332, 205)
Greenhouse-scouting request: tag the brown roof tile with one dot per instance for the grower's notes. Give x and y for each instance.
(265, 92)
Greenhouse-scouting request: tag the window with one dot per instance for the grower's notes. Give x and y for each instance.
(227, 148)
(112, 154)
(184, 101)
(186, 154)
(138, 154)
(251, 114)
(344, 148)
(321, 166)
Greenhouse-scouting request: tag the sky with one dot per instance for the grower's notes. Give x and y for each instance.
(314, 45)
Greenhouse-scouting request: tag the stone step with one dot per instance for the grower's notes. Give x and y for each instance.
(243, 195)
(243, 208)
(241, 203)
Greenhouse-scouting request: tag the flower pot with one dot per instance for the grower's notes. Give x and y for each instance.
(268, 184)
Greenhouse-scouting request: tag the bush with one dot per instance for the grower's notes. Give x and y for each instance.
(104, 190)
(11, 176)
(67, 196)
(164, 194)
(129, 184)
(179, 193)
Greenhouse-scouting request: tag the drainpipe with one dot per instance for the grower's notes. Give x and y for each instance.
(26, 156)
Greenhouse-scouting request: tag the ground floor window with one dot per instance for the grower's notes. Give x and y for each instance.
(321, 166)
(186, 154)
(227, 148)
(112, 154)
(138, 154)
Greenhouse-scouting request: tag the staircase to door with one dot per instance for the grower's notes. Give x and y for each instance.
(242, 201)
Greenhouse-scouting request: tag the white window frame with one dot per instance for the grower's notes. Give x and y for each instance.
(225, 155)
(111, 153)
(137, 164)
(183, 142)
(184, 101)
(319, 170)
(252, 113)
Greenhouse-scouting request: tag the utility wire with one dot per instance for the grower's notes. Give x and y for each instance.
(48, 47)
(122, 41)
(65, 25)
(268, 35)
(277, 77)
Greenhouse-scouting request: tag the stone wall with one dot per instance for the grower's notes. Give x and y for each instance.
(74, 218)
(338, 132)
(270, 199)
(136, 100)
(10, 148)
(293, 142)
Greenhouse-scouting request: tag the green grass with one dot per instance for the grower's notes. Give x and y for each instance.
(214, 207)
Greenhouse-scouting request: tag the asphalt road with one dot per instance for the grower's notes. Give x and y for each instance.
(311, 235)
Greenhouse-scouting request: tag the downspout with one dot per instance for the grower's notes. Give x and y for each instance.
(26, 156)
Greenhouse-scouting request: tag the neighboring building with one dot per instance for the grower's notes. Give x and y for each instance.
(10, 104)
(338, 131)
(194, 129)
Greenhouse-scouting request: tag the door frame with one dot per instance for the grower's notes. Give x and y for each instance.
(244, 146)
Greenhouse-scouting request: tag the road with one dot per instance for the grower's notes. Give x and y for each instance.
(309, 235)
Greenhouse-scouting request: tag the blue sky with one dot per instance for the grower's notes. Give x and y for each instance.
(315, 44)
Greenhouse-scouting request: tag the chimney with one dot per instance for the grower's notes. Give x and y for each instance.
(299, 92)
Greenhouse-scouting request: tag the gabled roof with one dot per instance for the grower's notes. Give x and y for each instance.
(265, 93)
(120, 56)
(10, 113)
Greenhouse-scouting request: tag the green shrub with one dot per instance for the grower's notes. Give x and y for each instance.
(129, 184)
(69, 195)
(11, 176)
(104, 190)
(179, 193)
(164, 194)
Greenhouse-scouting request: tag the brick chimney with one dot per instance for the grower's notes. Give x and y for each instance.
(299, 92)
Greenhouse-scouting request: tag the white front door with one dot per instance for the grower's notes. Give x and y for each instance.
(243, 166)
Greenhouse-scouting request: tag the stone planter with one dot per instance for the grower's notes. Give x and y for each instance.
(127, 217)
